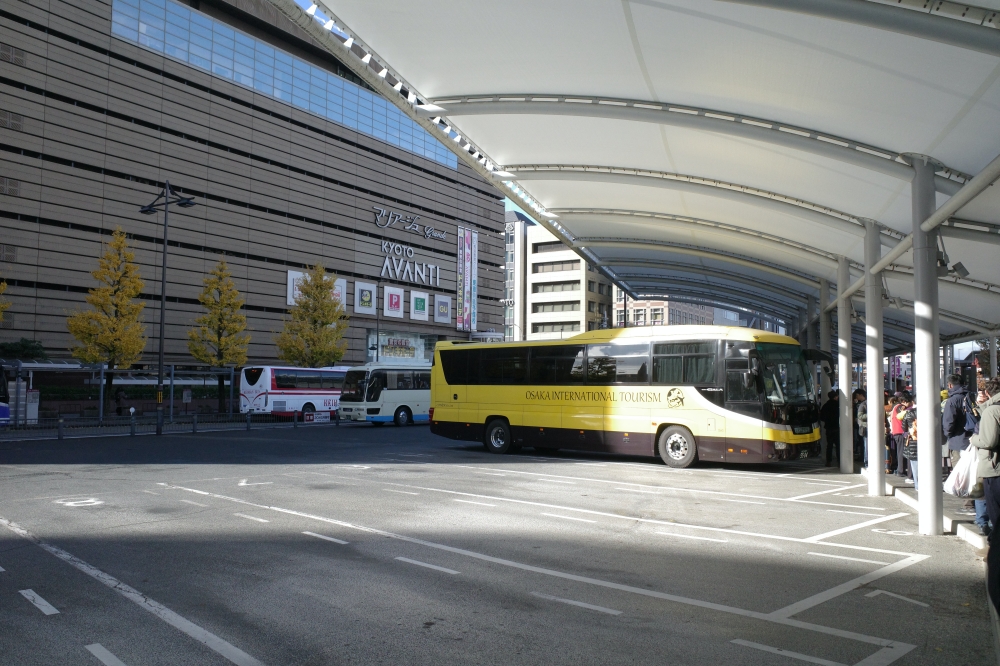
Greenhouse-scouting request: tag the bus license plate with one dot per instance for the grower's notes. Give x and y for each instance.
(802, 430)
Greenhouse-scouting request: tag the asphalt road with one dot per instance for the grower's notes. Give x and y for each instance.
(363, 545)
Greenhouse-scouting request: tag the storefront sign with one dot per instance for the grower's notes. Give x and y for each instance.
(397, 266)
(442, 309)
(399, 348)
(387, 218)
(418, 305)
(467, 284)
(364, 298)
(295, 280)
(393, 302)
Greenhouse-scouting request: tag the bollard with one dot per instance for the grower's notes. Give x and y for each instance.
(132, 424)
(295, 419)
(248, 420)
(61, 429)
(194, 423)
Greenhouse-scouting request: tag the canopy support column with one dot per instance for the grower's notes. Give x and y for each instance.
(873, 356)
(926, 345)
(844, 367)
(824, 335)
(993, 355)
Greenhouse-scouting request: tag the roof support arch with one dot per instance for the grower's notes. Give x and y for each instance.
(714, 273)
(725, 303)
(692, 286)
(886, 162)
(741, 194)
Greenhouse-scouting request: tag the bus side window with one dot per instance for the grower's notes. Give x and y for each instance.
(376, 382)
(285, 379)
(735, 390)
(421, 380)
(332, 380)
(503, 366)
(684, 362)
(617, 364)
(455, 364)
(398, 380)
(307, 379)
(557, 365)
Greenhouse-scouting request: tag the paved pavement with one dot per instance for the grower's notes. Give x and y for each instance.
(363, 545)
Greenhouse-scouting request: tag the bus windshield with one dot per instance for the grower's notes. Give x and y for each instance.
(785, 373)
(354, 386)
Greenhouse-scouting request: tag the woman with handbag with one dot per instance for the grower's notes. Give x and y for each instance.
(910, 445)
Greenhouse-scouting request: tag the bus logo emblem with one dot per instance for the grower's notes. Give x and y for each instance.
(675, 398)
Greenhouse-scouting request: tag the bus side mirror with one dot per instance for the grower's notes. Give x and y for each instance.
(748, 379)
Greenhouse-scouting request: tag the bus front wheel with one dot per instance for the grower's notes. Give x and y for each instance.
(402, 417)
(677, 447)
(498, 438)
(308, 408)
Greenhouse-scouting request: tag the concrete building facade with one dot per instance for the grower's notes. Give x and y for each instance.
(290, 158)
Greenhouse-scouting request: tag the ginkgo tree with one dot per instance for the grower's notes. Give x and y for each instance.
(4, 303)
(314, 334)
(112, 330)
(219, 337)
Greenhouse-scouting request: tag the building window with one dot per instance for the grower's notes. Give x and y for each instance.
(590, 285)
(562, 306)
(621, 296)
(556, 327)
(656, 314)
(556, 266)
(591, 306)
(181, 33)
(553, 246)
(591, 325)
(620, 318)
(639, 316)
(549, 287)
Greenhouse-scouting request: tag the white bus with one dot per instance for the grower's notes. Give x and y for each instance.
(382, 392)
(285, 391)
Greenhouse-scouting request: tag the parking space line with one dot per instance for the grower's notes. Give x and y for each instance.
(637, 490)
(688, 536)
(471, 502)
(854, 513)
(558, 481)
(401, 492)
(897, 596)
(579, 520)
(828, 490)
(844, 557)
(781, 616)
(104, 656)
(723, 499)
(490, 473)
(208, 639)
(205, 506)
(40, 604)
(259, 520)
(787, 653)
(2, 570)
(600, 609)
(327, 538)
(429, 566)
(150, 492)
(851, 528)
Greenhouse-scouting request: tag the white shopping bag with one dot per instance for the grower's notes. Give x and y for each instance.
(963, 477)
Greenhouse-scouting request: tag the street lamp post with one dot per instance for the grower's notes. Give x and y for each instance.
(163, 200)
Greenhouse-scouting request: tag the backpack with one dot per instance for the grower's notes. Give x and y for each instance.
(972, 415)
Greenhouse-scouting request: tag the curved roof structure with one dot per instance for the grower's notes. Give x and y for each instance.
(724, 151)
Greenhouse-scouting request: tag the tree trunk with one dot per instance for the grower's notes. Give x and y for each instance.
(222, 389)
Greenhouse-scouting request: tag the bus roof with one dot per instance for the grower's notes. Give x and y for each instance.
(645, 333)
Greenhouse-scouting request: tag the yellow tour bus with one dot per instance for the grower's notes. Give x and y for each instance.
(684, 393)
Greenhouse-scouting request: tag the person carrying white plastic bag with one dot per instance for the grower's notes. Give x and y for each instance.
(963, 479)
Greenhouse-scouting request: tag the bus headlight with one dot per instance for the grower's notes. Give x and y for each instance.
(780, 446)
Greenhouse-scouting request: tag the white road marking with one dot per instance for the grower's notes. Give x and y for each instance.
(402, 492)
(855, 513)
(579, 520)
(40, 604)
(259, 520)
(471, 502)
(600, 609)
(787, 653)
(897, 596)
(590, 464)
(195, 503)
(677, 488)
(243, 482)
(490, 473)
(827, 491)
(851, 528)
(852, 559)
(149, 492)
(90, 501)
(2, 570)
(557, 481)
(782, 616)
(104, 656)
(723, 499)
(429, 566)
(213, 642)
(416, 455)
(688, 536)
(327, 538)
(637, 490)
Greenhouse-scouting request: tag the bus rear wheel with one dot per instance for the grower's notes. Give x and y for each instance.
(498, 438)
(308, 408)
(677, 447)
(402, 417)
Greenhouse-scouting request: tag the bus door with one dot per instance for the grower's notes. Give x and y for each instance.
(745, 426)
(374, 396)
(621, 372)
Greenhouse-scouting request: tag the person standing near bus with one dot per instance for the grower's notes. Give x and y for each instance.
(829, 414)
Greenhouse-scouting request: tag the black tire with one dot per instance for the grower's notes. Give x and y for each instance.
(402, 417)
(497, 437)
(308, 408)
(677, 447)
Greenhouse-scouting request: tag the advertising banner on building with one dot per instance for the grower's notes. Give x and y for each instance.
(392, 299)
(340, 291)
(442, 309)
(474, 301)
(364, 298)
(460, 281)
(467, 309)
(419, 305)
(294, 278)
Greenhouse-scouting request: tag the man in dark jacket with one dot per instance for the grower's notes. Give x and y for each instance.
(829, 414)
(953, 418)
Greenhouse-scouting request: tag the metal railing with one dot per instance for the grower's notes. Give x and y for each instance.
(63, 428)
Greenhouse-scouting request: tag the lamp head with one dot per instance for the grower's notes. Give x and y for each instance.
(147, 210)
(186, 203)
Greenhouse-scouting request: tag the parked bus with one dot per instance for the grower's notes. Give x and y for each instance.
(4, 399)
(685, 393)
(285, 391)
(382, 392)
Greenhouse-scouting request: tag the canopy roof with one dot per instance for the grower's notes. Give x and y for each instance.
(727, 151)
